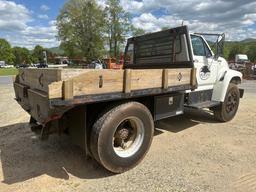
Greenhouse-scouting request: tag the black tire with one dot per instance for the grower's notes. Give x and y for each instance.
(103, 136)
(226, 111)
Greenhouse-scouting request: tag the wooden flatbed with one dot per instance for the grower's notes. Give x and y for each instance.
(41, 91)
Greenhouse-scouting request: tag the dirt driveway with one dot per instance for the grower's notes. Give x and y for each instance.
(189, 153)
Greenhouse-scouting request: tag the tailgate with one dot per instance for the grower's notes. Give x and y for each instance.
(32, 89)
(38, 78)
(35, 102)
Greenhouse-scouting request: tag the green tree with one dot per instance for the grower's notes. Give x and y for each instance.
(22, 55)
(51, 56)
(118, 26)
(251, 52)
(71, 50)
(6, 53)
(80, 26)
(38, 56)
(226, 51)
(137, 31)
(234, 50)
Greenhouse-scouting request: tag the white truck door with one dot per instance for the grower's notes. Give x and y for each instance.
(206, 65)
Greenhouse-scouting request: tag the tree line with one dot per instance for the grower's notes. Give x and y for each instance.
(21, 55)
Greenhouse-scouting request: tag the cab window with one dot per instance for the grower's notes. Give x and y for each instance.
(199, 47)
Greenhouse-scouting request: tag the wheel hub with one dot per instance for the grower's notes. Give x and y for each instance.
(122, 134)
(232, 102)
(128, 137)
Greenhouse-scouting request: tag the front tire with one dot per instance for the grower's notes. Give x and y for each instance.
(227, 110)
(121, 137)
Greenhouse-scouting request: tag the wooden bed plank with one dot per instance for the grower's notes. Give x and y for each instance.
(146, 79)
(70, 73)
(178, 77)
(98, 81)
(39, 105)
(38, 78)
(21, 95)
(91, 82)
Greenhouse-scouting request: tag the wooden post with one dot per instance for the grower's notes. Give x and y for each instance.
(193, 80)
(68, 89)
(127, 81)
(165, 78)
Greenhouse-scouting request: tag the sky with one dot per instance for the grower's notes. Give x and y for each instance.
(26, 23)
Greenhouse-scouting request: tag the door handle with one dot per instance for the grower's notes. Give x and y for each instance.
(196, 61)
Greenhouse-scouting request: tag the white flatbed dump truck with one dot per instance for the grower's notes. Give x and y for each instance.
(110, 114)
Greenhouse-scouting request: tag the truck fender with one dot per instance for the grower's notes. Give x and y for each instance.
(220, 88)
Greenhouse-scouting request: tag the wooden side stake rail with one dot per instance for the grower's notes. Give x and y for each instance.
(165, 78)
(127, 81)
(119, 81)
(35, 89)
(193, 80)
(68, 89)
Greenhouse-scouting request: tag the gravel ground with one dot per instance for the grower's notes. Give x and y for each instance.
(190, 153)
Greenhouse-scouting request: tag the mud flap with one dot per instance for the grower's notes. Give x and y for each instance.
(77, 127)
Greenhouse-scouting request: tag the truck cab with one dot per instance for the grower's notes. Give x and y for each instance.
(212, 73)
(210, 66)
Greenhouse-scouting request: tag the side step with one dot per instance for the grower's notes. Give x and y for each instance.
(205, 104)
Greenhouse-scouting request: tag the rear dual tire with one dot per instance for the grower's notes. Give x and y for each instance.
(121, 136)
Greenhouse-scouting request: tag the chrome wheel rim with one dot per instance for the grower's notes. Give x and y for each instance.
(128, 137)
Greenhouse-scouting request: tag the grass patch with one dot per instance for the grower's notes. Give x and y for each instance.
(6, 72)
